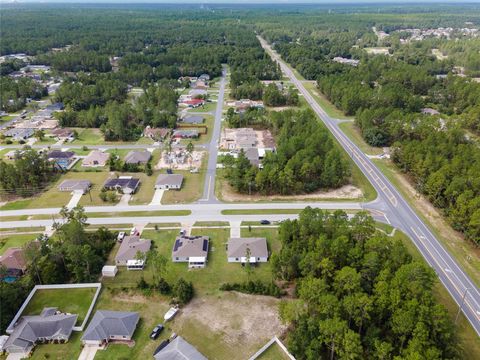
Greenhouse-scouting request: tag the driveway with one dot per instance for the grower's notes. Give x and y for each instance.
(76, 196)
(124, 200)
(88, 352)
(235, 229)
(157, 197)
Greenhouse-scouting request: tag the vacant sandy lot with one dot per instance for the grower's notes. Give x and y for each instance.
(345, 192)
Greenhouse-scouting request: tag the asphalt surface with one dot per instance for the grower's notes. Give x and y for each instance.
(209, 186)
(399, 212)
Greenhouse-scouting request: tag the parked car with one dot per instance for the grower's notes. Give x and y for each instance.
(134, 232)
(120, 236)
(264, 222)
(161, 346)
(169, 171)
(182, 232)
(156, 331)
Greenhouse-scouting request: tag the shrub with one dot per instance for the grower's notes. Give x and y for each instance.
(253, 287)
(183, 291)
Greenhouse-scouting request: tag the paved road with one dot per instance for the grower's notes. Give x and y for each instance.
(399, 212)
(210, 209)
(209, 187)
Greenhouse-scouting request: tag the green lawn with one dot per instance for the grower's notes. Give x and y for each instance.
(206, 281)
(74, 301)
(192, 188)
(15, 240)
(211, 106)
(70, 350)
(329, 108)
(211, 223)
(273, 352)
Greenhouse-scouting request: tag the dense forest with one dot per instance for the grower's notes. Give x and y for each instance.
(306, 159)
(388, 95)
(360, 293)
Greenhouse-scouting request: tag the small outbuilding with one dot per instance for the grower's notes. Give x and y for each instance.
(109, 271)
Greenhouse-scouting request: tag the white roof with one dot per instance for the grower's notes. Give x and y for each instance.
(109, 268)
(135, 262)
(196, 258)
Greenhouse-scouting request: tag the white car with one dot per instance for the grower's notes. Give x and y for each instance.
(170, 313)
(120, 236)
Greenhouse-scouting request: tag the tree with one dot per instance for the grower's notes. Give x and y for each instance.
(183, 291)
(189, 149)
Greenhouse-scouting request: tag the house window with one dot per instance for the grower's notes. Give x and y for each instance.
(236, 259)
(124, 336)
(176, 258)
(258, 259)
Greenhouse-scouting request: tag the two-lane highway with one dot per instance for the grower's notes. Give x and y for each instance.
(399, 212)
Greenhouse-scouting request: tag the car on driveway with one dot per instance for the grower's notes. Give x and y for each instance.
(264, 222)
(156, 331)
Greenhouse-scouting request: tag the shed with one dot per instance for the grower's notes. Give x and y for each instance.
(109, 271)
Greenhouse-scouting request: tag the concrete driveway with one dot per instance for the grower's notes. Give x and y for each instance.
(157, 197)
(124, 200)
(76, 196)
(88, 352)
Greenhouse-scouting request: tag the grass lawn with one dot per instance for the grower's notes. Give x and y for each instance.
(209, 106)
(468, 339)
(329, 108)
(273, 352)
(70, 350)
(211, 223)
(202, 139)
(192, 188)
(15, 240)
(206, 281)
(88, 136)
(352, 131)
(74, 301)
(146, 190)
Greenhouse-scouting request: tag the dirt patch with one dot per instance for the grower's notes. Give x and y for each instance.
(129, 298)
(241, 319)
(345, 192)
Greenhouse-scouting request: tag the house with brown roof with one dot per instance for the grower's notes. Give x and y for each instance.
(239, 248)
(156, 133)
(96, 158)
(130, 248)
(13, 260)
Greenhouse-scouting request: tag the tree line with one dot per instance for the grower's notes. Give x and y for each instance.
(360, 295)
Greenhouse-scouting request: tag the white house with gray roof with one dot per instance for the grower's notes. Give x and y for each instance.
(238, 248)
(107, 326)
(138, 157)
(49, 326)
(130, 248)
(179, 349)
(191, 249)
(75, 185)
(169, 181)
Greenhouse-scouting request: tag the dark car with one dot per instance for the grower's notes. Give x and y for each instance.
(156, 331)
(161, 346)
(264, 222)
(169, 171)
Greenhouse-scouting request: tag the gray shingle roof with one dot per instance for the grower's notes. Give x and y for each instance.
(237, 247)
(71, 185)
(138, 157)
(106, 323)
(46, 325)
(190, 246)
(179, 349)
(130, 246)
(169, 179)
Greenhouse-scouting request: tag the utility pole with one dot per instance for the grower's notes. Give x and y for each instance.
(461, 304)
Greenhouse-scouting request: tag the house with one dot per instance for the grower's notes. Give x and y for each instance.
(129, 249)
(55, 107)
(96, 158)
(156, 133)
(197, 93)
(169, 181)
(18, 134)
(185, 134)
(109, 271)
(237, 249)
(62, 159)
(63, 134)
(191, 249)
(124, 184)
(13, 261)
(204, 77)
(193, 120)
(178, 349)
(199, 85)
(253, 156)
(192, 103)
(138, 157)
(49, 326)
(107, 326)
(78, 186)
